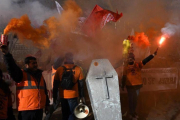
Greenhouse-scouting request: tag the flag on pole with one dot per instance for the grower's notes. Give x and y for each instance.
(59, 8)
(98, 19)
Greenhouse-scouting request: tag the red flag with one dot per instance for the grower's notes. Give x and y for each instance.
(98, 19)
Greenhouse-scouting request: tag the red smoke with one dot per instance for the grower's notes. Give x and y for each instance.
(140, 39)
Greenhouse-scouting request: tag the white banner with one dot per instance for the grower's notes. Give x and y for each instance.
(156, 79)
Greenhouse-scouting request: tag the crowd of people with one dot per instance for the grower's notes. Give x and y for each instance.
(31, 88)
(68, 87)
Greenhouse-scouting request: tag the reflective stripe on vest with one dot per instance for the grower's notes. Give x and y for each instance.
(29, 85)
(30, 93)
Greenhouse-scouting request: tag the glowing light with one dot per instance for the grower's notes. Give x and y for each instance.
(162, 40)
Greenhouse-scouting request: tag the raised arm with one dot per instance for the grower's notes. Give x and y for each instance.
(150, 57)
(14, 71)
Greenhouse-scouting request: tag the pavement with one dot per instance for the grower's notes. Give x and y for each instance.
(57, 115)
(169, 111)
(165, 106)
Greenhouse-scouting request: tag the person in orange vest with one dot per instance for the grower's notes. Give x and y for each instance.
(69, 80)
(6, 111)
(133, 81)
(31, 88)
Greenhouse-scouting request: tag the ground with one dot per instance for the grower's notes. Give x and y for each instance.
(151, 106)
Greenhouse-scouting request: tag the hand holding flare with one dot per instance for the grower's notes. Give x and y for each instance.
(160, 42)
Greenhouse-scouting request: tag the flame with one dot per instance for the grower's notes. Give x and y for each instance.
(162, 40)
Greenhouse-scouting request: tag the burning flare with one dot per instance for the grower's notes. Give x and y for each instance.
(162, 40)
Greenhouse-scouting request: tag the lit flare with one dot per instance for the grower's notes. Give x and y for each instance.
(162, 40)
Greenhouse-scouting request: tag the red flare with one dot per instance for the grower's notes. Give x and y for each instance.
(162, 40)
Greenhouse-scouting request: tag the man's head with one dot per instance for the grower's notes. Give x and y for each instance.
(31, 63)
(131, 58)
(69, 57)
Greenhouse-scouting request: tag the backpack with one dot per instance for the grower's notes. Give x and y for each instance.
(67, 78)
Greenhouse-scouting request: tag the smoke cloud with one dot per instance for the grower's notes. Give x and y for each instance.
(52, 28)
(64, 36)
(170, 29)
(15, 9)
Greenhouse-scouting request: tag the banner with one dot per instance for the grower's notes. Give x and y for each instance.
(156, 79)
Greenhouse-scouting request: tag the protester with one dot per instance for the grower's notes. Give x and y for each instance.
(133, 81)
(57, 63)
(71, 90)
(30, 87)
(6, 111)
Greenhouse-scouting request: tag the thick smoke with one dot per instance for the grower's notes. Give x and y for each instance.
(170, 29)
(22, 27)
(137, 15)
(35, 10)
(13, 9)
(51, 29)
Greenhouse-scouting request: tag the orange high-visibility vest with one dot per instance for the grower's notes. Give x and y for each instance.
(3, 105)
(133, 73)
(30, 96)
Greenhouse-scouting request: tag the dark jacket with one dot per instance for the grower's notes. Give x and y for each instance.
(5, 88)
